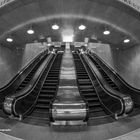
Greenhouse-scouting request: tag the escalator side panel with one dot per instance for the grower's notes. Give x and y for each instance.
(124, 87)
(10, 88)
(14, 104)
(122, 104)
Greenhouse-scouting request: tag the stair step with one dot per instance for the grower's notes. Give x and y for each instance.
(46, 91)
(46, 101)
(52, 78)
(49, 84)
(85, 83)
(45, 96)
(97, 114)
(93, 104)
(84, 80)
(92, 97)
(42, 106)
(49, 87)
(51, 81)
(87, 90)
(40, 114)
(86, 87)
(95, 109)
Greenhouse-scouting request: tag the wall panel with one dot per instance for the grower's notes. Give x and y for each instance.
(13, 60)
(125, 62)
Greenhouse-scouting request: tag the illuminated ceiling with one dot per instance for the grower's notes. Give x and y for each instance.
(17, 17)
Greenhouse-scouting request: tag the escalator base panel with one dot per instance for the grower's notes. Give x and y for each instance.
(69, 123)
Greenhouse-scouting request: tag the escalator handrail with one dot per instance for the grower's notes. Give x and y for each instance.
(21, 72)
(100, 85)
(113, 93)
(10, 101)
(116, 74)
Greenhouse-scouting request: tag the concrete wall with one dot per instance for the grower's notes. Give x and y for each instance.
(13, 60)
(125, 62)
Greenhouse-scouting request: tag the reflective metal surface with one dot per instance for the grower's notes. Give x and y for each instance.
(68, 105)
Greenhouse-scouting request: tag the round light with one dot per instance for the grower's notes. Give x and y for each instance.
(126, 40)
(9, 39)
(82, 27)
(55, 27)
(30, 31)
(106, 32)
(85, 45)
(49, 44)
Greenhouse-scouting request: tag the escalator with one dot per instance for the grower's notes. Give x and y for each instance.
(106, 77)
(11, 87)
(87, 90)
(48, 92)
(113, 102)
(119, 81)
(33, 102)
(30, 75)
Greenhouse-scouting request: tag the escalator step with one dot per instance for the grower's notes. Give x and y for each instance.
(82, 73)
(49, 84)
(85, 83)
(87, 90)
(97, 114)
(45, 91)
(90, 95)
(52, 75)
(51, 81)
(95, 109)
(89, 99)
(86, 86)
(50, 78)
(42, 106)
(46, 96)
(42, 114)
(49, 87)
(25, 82)
(45, 101)
(84, 80)
(116, 88)
(93, 104)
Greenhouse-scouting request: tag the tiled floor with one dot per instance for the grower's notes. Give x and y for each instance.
(134, 135)
(99, 132)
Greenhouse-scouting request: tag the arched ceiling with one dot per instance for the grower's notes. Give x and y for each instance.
(16, 17)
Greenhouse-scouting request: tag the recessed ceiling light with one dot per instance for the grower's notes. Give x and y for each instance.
(126, 40)
(55, 27)
(49, 44)
(30, 31)
(9, 39)
(82, 27)
(106, 32)
(86, 45)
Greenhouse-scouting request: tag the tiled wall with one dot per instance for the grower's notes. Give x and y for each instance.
(13, 60)
(125, 62)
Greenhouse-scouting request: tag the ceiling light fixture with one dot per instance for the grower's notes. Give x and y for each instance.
(48, 44)
(9, 39)
(126, 40)
(106, 32)
(82, 27)
(55, 27)
(30, 31)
